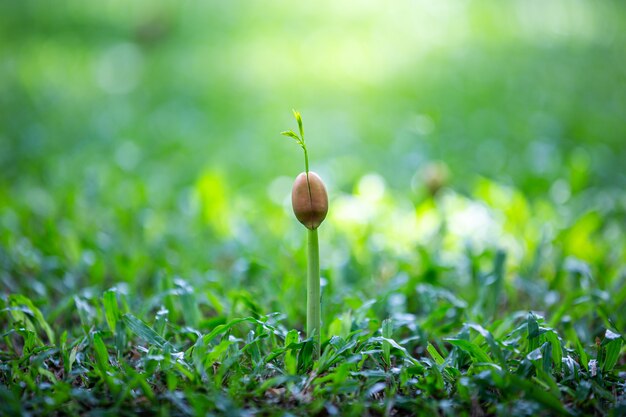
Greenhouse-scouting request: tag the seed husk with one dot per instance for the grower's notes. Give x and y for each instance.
(309, 200)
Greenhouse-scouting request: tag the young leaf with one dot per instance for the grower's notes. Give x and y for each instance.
(291, 134)
(299, 139)
(298, 117)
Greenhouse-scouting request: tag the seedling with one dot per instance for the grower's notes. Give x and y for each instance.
(310, 205)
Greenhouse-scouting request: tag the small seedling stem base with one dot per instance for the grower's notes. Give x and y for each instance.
(313, 304)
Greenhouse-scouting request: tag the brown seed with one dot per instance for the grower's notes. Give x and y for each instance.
(309, 200)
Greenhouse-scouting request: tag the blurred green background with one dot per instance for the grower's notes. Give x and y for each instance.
(139, 142)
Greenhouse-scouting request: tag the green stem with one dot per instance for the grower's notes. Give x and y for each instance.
(313, 303)
(306, 158)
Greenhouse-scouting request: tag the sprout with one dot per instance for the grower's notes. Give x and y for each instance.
(310, 205)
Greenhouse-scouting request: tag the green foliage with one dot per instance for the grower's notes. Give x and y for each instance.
(473, 259)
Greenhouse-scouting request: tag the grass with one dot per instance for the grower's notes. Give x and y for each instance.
(437, 342)
(309, 202)
(473, 257)
(254, 364)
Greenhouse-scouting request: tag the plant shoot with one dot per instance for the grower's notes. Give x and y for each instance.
(310, 206)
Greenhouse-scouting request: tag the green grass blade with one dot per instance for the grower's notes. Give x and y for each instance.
(439, 360)
(16, 300)
(478, 355)
(189, 305)
(111, 310)
(144, 331)
(556, 350)
(496, 351)
(387, 331)
(612, 345)
(102, 362)
(291, 356)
